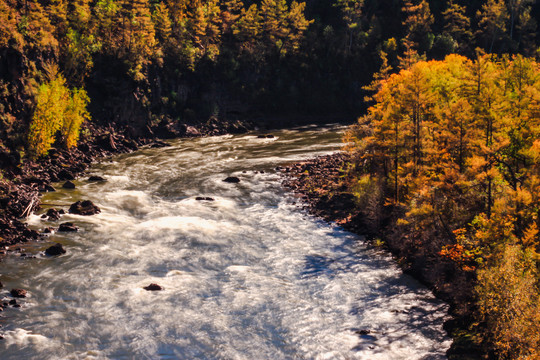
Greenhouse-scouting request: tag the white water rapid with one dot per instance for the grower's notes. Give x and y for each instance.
(247, 276)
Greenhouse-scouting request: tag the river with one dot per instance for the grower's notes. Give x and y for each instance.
(249, 275)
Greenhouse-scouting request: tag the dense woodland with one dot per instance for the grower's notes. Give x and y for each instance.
(145, 62)
(447, 155)
(451, 148)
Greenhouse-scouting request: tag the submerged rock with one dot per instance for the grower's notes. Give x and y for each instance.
(18, 293)
(1, 285)
(68, 227)
(204, 198)
(232, 180)
(96, 178)
(85, 207)
(153, 287)
(269, 136)
(56, 249)
(68, 185)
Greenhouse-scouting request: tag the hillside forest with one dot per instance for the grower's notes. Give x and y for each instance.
(445, 154)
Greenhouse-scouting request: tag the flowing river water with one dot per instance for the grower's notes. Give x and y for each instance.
(247, 276)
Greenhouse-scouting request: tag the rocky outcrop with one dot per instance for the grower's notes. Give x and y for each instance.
(55, 250)
(85, 208)
(53, 214)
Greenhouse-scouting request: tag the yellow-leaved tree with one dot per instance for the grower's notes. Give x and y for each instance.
(58, 115)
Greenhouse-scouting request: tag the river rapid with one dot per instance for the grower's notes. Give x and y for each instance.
(249, 275)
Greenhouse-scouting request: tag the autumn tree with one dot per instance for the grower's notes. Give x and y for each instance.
(492, 20)
(457, 26)
(58, 115)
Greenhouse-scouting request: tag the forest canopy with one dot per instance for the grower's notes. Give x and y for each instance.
(453, 147)
(145, 62)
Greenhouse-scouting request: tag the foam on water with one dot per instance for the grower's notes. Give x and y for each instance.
(246, 276)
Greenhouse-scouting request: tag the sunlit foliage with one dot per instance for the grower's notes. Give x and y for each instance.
(455, 143)
(58, 115)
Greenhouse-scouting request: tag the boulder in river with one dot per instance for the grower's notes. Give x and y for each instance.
(68, 185)
(153, 287)
(232, 180)
(363, 332)
(68, 227)
(18, 293)
(48, 230)
(204, 198)
(53, 214)
(85, 207)
(95, 178)
(1, 285)
(56, 249)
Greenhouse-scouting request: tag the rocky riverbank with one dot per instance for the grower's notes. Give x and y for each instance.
(24, 180)
(323, 185)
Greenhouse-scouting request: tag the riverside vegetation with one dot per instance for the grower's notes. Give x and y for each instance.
(444, 166)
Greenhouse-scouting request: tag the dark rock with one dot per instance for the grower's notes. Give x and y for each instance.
(232, 180)
(17, 305)
(53, 214)
(68, 185)
(107, 142)
(47, 188)
(85, 207)
(1, 285)
(56, 249)
(48, 230)
(96, 178)
(204, 198)
(166, 131)
(65, 175)
(84, 147)
(30, 234)
(153, 287)
(67, 227)
(12, 302)
(269, 136)
(61, 212)
(363, 332)
(18, 293)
